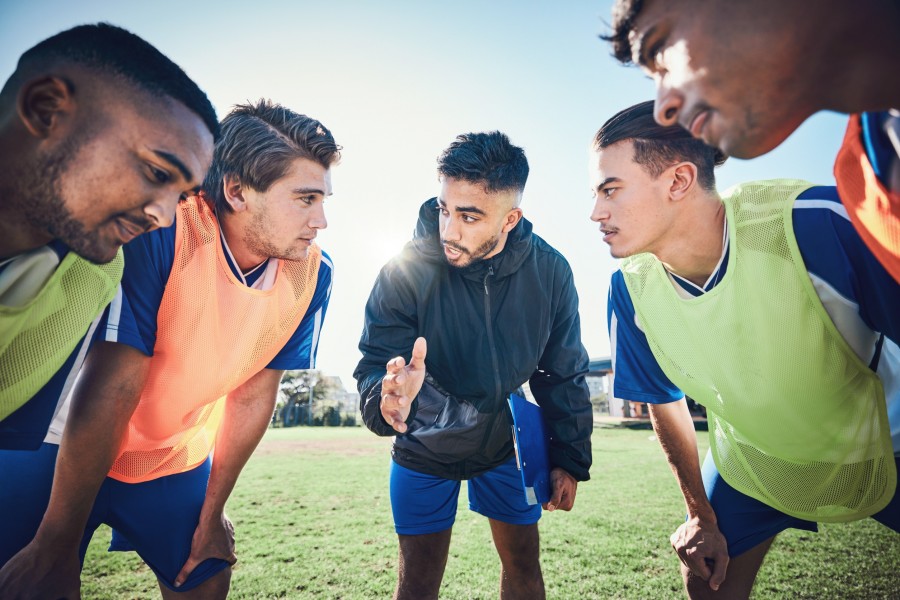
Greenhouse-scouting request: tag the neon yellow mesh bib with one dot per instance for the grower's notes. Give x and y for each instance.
(37, 337)
(796, 420)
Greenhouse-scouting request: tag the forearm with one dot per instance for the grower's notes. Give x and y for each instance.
(675, 431)
(248, 412)
(107, 393)
(569, 417)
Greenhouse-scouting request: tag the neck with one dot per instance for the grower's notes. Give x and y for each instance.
(16, 235)
(231, 231)
(696, 242)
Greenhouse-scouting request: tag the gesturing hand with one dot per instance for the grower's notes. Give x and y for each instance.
(401, 385)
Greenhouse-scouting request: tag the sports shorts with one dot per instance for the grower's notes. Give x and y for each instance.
(156, 518)
(424, 504)
(746, 522)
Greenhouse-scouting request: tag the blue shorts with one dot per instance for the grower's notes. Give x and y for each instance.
(746, 522)
(427, 504)
(155, 518)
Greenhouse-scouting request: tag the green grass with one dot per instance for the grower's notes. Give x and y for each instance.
(313, 520)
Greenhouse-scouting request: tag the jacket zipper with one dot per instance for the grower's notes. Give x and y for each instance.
(496, 363)
(490, 331)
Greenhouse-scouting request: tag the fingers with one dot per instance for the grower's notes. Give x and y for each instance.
(564, 487)
(690, 554)
(420, 349)
(720, 565)
(392, 410)
(395, 365)
(186, 570)
(554, 501)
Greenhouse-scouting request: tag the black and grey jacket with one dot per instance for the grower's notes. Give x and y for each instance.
(490, 327)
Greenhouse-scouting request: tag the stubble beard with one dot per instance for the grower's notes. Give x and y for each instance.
(467, 258)
(40, 198)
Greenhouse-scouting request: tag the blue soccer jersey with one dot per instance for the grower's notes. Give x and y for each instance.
(859, 295)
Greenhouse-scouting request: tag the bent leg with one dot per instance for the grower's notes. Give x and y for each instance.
(739, 577)
(157, 519)
(520, 564)
(421, 565)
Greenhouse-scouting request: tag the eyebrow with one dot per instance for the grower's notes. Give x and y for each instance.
(638, 48)
(302, 191)
(462, 209)
(606, 182)
(176, 162)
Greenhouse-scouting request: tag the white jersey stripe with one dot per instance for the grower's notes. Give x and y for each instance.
(835, 207)
(115, 317)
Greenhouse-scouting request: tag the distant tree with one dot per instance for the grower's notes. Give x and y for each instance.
(332, 417)
(294, 397)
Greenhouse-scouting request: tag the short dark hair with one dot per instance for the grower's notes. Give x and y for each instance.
(112, 50)
(258, 144)
(624, 14)
(486, 158)
(657, 147)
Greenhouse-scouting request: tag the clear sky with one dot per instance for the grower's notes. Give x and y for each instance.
(396, 81)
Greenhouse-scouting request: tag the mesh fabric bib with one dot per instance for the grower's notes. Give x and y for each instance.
(214, 333)
(874, 210)
(37, 337)
(796, 420)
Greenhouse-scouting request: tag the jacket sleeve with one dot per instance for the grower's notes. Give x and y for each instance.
(390, 329)
(559, 386)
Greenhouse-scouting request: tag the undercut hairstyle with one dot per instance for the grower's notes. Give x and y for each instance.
(624, 14)
(258, 144)
(489, 159)
(114, 51)
(658, 147)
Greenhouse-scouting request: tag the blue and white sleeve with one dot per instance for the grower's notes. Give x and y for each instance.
(637, 375)
(300, 351)
(833, 251)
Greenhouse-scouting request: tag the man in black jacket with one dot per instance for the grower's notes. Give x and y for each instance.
(497, 306)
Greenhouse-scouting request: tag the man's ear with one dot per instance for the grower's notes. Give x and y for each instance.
(44, 103)
(683, 179)
(234, 192)
(512, 219)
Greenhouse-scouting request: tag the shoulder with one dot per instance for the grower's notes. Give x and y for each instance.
(548, 256)
(828, 242)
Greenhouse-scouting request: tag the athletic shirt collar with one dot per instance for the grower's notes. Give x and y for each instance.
(260, 277)
(691, 289)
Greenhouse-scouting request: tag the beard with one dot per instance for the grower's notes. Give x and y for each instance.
(40, 198)
(467, 257)
(258, 239)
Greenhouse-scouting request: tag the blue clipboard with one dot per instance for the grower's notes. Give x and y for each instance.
(531, 440)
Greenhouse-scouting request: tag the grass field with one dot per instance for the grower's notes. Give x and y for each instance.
(312, 517)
